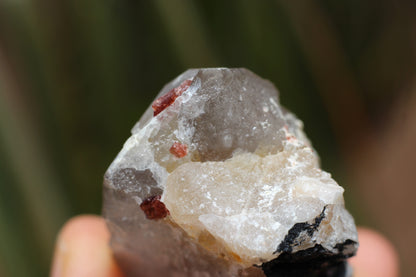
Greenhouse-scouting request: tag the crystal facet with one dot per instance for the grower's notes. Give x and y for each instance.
(218, 179)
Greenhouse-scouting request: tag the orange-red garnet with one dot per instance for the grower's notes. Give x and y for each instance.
(179, 149)
(154, 208)
(168, 98)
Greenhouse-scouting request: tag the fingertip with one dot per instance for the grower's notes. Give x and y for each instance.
(376, 256)
(86, 226)
(82, 249)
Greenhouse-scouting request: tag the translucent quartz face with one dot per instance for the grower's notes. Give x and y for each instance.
(218, 172)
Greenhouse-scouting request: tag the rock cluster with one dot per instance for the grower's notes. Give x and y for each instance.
(218, 179)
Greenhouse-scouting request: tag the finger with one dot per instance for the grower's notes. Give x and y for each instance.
(376, 256)
(82, 249)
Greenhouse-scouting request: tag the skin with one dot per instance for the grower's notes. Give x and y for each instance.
(376, 256)
(82, 250)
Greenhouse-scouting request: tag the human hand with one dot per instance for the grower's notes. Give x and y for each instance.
(82, 250)
(376, 256)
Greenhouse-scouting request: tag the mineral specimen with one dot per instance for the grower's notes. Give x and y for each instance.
(218, 179)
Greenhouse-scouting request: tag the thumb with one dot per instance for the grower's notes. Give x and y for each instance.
(376, 256)
(82, 249)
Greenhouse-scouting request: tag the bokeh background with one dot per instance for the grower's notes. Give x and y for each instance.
(75, 75)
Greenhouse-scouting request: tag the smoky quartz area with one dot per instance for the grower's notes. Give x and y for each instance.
(218, 179)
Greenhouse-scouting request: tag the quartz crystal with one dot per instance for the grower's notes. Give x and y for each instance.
(218, 179)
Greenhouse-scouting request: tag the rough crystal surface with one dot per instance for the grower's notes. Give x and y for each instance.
(243, 189)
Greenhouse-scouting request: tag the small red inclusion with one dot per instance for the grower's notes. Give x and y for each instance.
(289, 137)
(179, 150)
(154, 208)
(167, 99)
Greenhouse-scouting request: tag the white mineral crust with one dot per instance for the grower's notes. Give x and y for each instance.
(249, 175)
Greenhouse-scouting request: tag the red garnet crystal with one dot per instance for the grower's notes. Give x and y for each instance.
(167, 99)
(179, 150)
(154, 208)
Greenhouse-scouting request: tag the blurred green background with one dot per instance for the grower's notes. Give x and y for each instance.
(75, 75)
